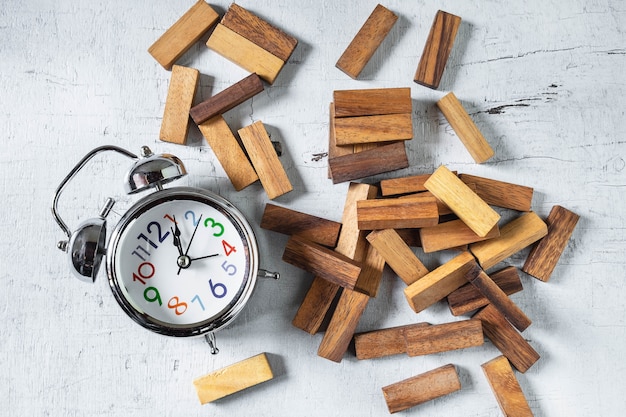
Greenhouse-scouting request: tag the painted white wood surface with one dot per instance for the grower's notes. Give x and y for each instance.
(544, 81)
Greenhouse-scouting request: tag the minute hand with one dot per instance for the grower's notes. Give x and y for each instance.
(190, 240)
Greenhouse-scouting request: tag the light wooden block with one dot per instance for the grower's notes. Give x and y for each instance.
(383, 342)
(437, 338)
(506, 388)
(366, 41)
(373, 129)
(233, 378)
(500, 193)
(514, 236)
(372, 102)
(397, 213)
(180, 95)
(464, 202)
(398, 255)
(375, 161)
(451, 234)
(183, 34)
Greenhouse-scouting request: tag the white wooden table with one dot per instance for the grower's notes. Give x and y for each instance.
(544, 81)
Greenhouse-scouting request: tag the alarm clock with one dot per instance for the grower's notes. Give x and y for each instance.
(182, 261)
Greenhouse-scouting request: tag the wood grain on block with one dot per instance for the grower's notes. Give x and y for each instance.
(373, 129)
(506, 388)
(383, 342)
(440, 282)
(183, 34)
(514, 236)
(468, 298)
(545, 253)
(464, 202)
(265, 160)
(259, 32)
(398, 255)
(334, 150)
(228, 152)
(366, 41)
(227, 99)
(382, 159)
(437, 49)
(437, 338)
(451, 234)
(371, 274)
(465, 128)
(500, 193)
(180, 95)
(372, 102)
(442, 207)
(421, 388)
(403, 185)
(508, 340)
(397, 213)
(315, 305)
(291, 222)
(233, 378)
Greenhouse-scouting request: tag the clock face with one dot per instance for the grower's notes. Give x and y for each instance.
(182, 262)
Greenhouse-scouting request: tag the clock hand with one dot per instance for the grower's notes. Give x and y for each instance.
(176, 234)
(204, 257)
(186, 258)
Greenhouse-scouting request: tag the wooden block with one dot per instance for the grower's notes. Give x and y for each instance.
(438, 338)
(451, 234)
(470, 208)
(245, 53)
(410, 236)
(371, 274)
(514, 236)
(228, 152)
(465, 128)
(383, 342)
(498, 298)
(366, 41)
(382, 159)
(260, 32)
(183, 34)
(500, 193)
(180, 95)
(396, 213)
(233, 378)
(506, 338)
(403, 185)
(227, 99)
(468, 298)
(437, 284)
(264, 160)
(398, 255)
(545, 254)
(372, 102)
(442, 207)
(373, 129)
(437, 49)
(421, 388)
(506, 388)
(315, 305)
(291, 222)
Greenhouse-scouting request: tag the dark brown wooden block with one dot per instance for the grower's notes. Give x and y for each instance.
(372, 102)
(500, 193)
(382, 159)
(437, 338)
(383, 342)
(375, 129)
(397, 213)
(371, 274)
(291, 222)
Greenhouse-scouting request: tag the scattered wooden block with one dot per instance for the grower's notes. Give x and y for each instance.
(514, 236)
(372, 102)
(373, 129)
(500, 193)
(228, 152)
(233, 378)
(451, 234)
(227, 99)
(382, 159)
(371, 274)
(264, 160)
(421, 388)
(180, 95)
(398, 255)
(366, 41)
(403, 185)
(396, 213)
(437, 49)
(383, 342)
(291, 222)
(438, 338)
(465, 128)
(545, 254)
(470, 208)
(183, 34)
(506, 388)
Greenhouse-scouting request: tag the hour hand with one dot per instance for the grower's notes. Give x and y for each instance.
(176, 235)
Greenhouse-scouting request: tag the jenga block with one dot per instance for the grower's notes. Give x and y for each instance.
(470, 208)
(371, 274)
(372, 102)
(233, 378)
(373, 129)
(398, 255)
(468, 298)
(180, 95)
(506, 338)
(259, 32)
(291, 222)
(439, 283)
(500, 193)
(421, 388)
(545, 254)
(451, 234)
(506, 388)
(403, 185)
(315, 305)
(396, 213)
(438, 338)
(514, 236)
(411, 237)
(228, 152)
(183, 34)
(437, 49)
(375, 161)
(366, 41)
(499, 299)
(442, 207)
(264, 160)
(383, 342)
